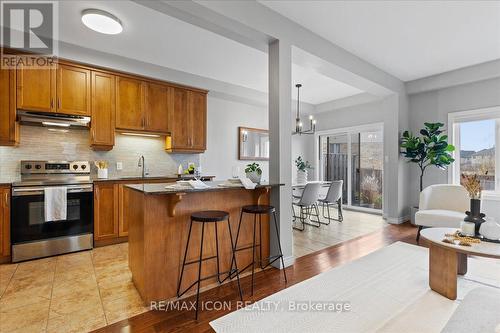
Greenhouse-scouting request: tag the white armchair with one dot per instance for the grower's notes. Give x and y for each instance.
(442, 205)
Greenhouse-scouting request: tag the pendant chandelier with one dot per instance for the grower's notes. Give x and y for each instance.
(298, 123)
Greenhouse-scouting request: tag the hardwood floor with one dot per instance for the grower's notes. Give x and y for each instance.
(266, 283)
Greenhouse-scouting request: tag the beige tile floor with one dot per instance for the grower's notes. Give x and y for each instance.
(76, 292)
(355, 224)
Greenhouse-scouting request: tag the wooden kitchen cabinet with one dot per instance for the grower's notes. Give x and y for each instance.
(73, 90)
(157, 107)
(179, 123)
(188, 122)
(198, 120)
(142, 105)
(4, 224)
(63, 90)
(36, 89)
(9, 128)
(102, 129)
(129, 103)
(105, 211)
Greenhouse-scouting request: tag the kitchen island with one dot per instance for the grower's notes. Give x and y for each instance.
(159, 216)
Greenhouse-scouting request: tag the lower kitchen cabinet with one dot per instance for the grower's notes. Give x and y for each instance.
(105, 212)
(4, 224)
(110, 224)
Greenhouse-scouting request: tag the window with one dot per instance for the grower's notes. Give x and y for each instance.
(476, 136)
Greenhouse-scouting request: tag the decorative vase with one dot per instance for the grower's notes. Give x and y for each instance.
(102, 173)
(474, 215)
(301, 176)
(254, 176)
(490, 230)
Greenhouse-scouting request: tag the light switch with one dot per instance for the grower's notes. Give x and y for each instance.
(119, 166)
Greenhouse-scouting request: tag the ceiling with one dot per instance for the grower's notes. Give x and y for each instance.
(153, 37)
(408, 39)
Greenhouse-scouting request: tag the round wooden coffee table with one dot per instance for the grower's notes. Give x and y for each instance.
(446, 261)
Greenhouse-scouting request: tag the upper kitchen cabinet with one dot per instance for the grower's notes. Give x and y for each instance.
(188, 122)
(142, 105)
(179, 122)
(63, 90)
(130, 104)
(36, 89)
(157, 107)
(73, 90)
(198, 120)
(9, 128)
(102, 129)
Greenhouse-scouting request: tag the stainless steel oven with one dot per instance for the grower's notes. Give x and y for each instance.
(32, 236)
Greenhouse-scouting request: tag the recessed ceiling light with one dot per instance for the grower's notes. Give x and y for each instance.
(101, 21)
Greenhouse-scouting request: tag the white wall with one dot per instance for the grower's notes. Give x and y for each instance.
(223, 119)
(434, 106)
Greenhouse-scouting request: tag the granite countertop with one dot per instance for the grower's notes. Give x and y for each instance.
(149, 177)
(117, 178)
(167, 188)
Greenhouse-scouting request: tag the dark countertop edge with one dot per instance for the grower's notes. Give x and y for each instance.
(136, 178)
(136, 187)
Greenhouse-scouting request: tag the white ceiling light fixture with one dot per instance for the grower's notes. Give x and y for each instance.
(101, 21)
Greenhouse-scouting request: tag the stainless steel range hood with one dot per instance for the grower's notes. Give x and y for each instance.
(52, 119)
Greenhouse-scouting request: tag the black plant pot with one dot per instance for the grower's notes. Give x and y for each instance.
(474, 215)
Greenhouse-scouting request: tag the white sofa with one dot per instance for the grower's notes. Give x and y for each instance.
(442, 205)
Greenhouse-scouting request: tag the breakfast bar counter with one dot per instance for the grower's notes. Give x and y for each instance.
(159, 218)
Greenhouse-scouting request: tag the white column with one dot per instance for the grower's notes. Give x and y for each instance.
(280, 137)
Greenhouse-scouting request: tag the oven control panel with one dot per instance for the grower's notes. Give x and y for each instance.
(48, 167)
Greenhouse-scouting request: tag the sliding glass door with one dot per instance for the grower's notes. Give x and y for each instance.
(355, 156)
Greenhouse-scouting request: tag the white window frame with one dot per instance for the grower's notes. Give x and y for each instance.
(454, 120)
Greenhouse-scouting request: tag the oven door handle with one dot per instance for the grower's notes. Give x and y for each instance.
(39, 190)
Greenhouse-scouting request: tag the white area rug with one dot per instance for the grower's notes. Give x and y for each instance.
(387, 291)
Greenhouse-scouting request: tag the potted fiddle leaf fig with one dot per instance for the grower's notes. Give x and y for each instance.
(431, 148)
(253, 172)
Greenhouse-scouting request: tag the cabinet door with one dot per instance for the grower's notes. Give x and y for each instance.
(9, 129)
(129, 104)
(36, 89)
(181, 138)
(105, 211)
(157, 107)
(198, 120)
(123, 222)
(4, 222)
(103, 110)
(73, 90)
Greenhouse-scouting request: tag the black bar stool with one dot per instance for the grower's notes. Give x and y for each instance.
(258, 210)
(204, 217)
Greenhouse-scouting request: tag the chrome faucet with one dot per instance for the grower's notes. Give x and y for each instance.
(142, 163)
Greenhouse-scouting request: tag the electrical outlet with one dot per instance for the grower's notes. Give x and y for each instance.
(119, 166)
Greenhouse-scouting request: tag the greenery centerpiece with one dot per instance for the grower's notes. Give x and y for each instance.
(472, 184)
(429, 149)
(253, 172)
(302, 168)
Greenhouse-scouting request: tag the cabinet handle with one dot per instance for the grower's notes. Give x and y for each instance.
(6, 200)
(51, 103)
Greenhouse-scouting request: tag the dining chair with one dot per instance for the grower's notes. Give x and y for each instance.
(307, 203)
(333, 196)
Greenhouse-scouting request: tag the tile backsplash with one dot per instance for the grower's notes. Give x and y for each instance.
(41, 143)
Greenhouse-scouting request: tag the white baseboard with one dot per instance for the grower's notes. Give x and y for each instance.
(289, 261)
(397, 220)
